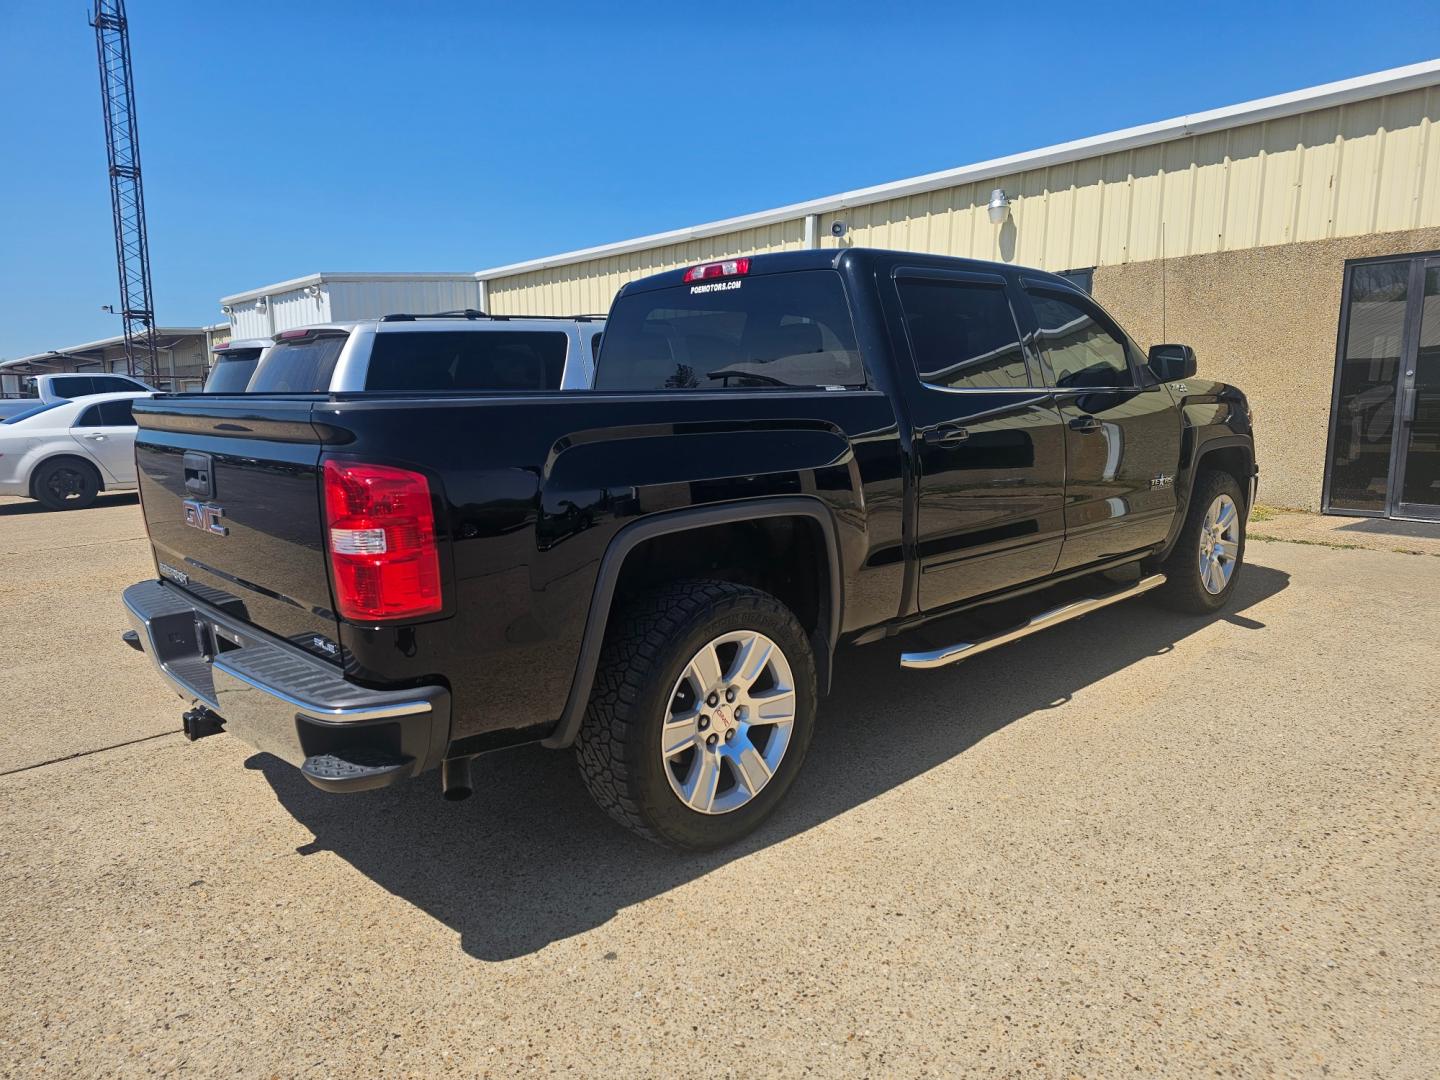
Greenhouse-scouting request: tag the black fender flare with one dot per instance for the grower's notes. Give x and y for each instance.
(1220, 442)
(1205, 446)
(673, 521)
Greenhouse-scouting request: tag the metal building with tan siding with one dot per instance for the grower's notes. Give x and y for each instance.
(1294, 241)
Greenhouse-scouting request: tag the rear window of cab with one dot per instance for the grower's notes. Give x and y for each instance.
(473, 360)
(298, 365)
(768, 331)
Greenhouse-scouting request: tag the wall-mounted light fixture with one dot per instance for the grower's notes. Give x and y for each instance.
(263, 304)
(838, 229)
(998, 207)
(312, 291)
(226, 309)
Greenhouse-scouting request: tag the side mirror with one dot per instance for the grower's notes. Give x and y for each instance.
(1171, 363)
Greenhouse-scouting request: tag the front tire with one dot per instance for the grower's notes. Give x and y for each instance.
(66, 484)
(1203, 567)
(701, 714)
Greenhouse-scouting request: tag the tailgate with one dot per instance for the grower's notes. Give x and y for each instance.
(232, 502)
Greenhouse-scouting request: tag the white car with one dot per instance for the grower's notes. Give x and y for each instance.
(65, 386)
(65, 453)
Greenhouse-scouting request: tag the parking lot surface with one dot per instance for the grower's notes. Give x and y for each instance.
(1140, 844)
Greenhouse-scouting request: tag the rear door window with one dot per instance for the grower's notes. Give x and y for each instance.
(962, 334)
(474, 360)
(107, 384)
(771, 331)
(299, 365)
(117, 413)
(73, 386)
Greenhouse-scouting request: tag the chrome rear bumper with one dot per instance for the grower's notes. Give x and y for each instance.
(279, 700)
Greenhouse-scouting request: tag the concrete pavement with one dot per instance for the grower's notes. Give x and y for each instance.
(1140, 844)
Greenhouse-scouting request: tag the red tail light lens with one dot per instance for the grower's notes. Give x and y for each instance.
(382, 542)
(728, 268)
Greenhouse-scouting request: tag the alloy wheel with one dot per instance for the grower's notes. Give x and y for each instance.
(1219, 544)
(731, 716)
(65, 483)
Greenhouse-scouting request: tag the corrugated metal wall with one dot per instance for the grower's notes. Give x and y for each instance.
(247, 320)
(1370, 166)
(369, 299)
(296, 307)
(588, 288)
(340, 300)
(287, 310)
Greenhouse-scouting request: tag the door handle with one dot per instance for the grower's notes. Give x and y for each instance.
(96, 438)
(944, 435)
(1085, 424)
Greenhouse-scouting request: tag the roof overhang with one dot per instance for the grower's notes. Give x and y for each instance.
(165, 336)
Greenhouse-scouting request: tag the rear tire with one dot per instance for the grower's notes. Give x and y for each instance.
(701, 714)
(66, 484)
(1203, 567)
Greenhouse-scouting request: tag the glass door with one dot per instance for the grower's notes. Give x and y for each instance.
(1418, 453)
(1384, 454)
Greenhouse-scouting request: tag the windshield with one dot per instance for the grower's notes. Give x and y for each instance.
(768, 331)
(232, 371)
(298, 366)
(34, 410)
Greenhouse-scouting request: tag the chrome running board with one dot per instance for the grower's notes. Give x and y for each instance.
(951, 654)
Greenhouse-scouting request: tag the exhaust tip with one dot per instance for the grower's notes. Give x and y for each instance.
(455, 783)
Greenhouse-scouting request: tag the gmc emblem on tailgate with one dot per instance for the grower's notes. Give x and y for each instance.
(205, 517)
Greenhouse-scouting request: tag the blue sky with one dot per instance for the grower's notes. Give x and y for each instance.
(280, 139)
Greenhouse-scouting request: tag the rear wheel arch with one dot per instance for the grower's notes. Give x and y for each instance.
(653, 541)
(76, 461)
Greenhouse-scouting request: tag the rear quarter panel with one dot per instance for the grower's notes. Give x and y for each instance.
(536, 486)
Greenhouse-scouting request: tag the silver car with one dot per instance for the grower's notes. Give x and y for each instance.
(64, 453)
(433, 353)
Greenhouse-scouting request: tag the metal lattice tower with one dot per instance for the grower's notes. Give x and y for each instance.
(127, 193)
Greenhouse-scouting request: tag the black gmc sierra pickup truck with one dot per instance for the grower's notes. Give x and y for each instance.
(784, 455)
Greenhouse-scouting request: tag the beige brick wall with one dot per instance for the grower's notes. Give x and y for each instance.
(1266, 320)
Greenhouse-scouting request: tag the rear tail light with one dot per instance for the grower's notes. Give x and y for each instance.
(728, 268)
(382, 544)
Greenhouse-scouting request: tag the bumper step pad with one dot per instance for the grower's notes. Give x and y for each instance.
(279, 700)
(355, 769)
